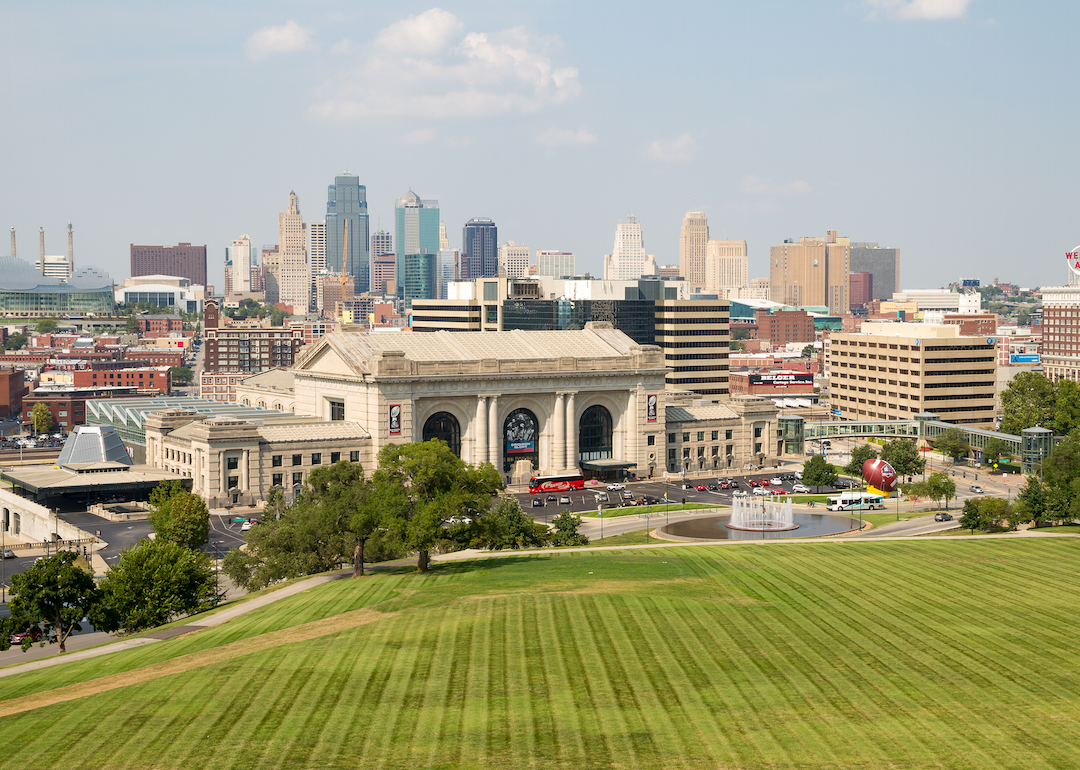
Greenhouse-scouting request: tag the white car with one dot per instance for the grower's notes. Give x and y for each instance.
(798, 475)
(776, 481)
(763, 491)
(739, 493)
(616, 487)
(799, 488)
(245, 526)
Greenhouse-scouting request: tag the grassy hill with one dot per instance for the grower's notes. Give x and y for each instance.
(871, 655)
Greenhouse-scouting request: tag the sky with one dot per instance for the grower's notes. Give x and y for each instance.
(945, 128)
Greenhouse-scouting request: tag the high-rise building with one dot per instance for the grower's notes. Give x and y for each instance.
(346, 199)
(882, 264)
(862, 288)
(726, 266)
(420, 277)
(479, 249)
(560, 264)
(382, 243)
(317, 247)
(292, 242)
(759, 289)
(444, 241)
(56, 266)
(626, 262)
(384, 274)
(693, 238)
(271, 261)
(446, 270)
(513, 260)
(238, 260)
(416, 222)
(1061, 331)
(182, 260)
(812, 272)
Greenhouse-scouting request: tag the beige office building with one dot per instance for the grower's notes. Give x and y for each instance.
(695, 337)
(894, 371)
(814, 271)
(513, 260)
(294, 282)
(726, 267)
(693, 243)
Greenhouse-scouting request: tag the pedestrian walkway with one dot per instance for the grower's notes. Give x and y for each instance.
(198, 622)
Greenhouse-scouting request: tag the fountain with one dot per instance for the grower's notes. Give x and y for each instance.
(759, 515)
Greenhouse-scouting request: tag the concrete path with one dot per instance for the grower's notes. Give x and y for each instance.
(197, 622)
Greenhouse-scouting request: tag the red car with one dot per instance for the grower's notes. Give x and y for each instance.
(764, 482)
(753, 482)
(724, 485)
(700, 487)
(34, 633)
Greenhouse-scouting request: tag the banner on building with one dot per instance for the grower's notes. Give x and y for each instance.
(650, 407)
(395, 419)
(1023, 358)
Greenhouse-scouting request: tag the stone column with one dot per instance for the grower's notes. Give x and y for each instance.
(480, 431)
(571, 432)
(558, 446)
(223, 473)
(494, 444)
(631, 428)
(245, 475)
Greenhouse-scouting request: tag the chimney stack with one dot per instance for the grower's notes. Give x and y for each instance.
(41, 248)
(71, 254)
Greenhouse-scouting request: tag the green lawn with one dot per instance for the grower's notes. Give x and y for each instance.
(794, 656)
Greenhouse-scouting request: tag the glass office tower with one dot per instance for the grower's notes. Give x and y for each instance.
(347, 199)
(416, 223)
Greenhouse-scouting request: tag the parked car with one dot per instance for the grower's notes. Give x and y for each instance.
(753, 482)
(739, 493)
(764, 482)
(724, 485)
(761, 491)
(627, 495)
(537, 502)
(799, 487)
(552, 499)
(713, 487)
(977, 489)
(616, 487)
(687, 486)
(942, 516)
(776, 480)
(564, 500)
(34, 633)
(798, 475)
(700, 487)
(732, 484)
(7, 553)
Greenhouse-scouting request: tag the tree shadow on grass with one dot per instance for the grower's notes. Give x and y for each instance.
(456, 567)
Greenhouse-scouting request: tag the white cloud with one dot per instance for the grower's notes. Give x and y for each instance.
(755, 185)
(419, 136)
(564, 137)
(909, 10)
(427, 66)
(342, 46)
(288, 38)
(678, 150)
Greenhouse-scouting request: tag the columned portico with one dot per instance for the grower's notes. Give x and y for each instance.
(493, 433)
(480, 454)
(571, 432)
(559, 460)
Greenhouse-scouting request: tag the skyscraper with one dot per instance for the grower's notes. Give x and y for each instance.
(317, 247)
(693, 239)
(417, 224)
(479, 249)
(560, 264)
(626, 262)
(238, 266)
(382, 243)
(726, 266)
(295, 281)
(513, 260)
(812, 272)
(346, 199)
(182, 260)
(882, 264)
(271, 263)
(444, 241)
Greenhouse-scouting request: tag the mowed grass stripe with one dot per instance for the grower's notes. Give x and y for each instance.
(473, 744)
(560, 688)
(398, 705)
(435, 691)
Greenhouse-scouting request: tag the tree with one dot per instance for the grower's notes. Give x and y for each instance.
(938, 486)
(904, 457)
(994, 449)
(565, 533)
(41, 418)
(154, 581)
(818, 473)
(808, 351)
(132, 325)
(1029, 400)
(953, 443)
(46, 326)
(420, 487)
(342, 497)
(859, 455)
(15, 342)
(56, 593)
(1031, 501)
(1066, 408)
(508, 527)
(181, 375)
(972, 517)
(178, 515)
(740, 333)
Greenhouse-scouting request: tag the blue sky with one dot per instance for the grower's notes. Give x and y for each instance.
(946, 128)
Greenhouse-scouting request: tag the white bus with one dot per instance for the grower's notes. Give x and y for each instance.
(855, 501)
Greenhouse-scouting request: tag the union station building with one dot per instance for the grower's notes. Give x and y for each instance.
(529, 402)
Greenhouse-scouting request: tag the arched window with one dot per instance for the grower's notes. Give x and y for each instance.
(594, 434)
(521, 438)
(445, 427)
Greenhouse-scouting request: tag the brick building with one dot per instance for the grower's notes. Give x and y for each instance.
(12, 390)
(861, 288)
(781, 327)
(973, 325)
(147, 380)
(68, 405)
(182, 260)
(158, 325)
(243, 350)
(155, 356)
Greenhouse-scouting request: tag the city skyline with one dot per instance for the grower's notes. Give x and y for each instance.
(918, 152)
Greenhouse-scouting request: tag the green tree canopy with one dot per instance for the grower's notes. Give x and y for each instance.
(15, 342)
(817, 472)
(182, 375)
(41, 418)
(808, 351)
(507, 526)
(952, 442)
(859, 455)
(939, 486)
(1029, 400)
(565, 528)
(994, 449)
(904, 457)
(46, 326)
(420, 487)
(131, 325)
(1066, 408)
(155, 581)
(57, 593)
(179, 515)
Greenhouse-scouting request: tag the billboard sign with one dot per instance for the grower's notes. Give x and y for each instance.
(1074, 260)
(781, 379)
(1024, 358)
(395, 419)
(650, 407)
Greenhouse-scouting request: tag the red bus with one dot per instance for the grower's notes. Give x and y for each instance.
(556, 483)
